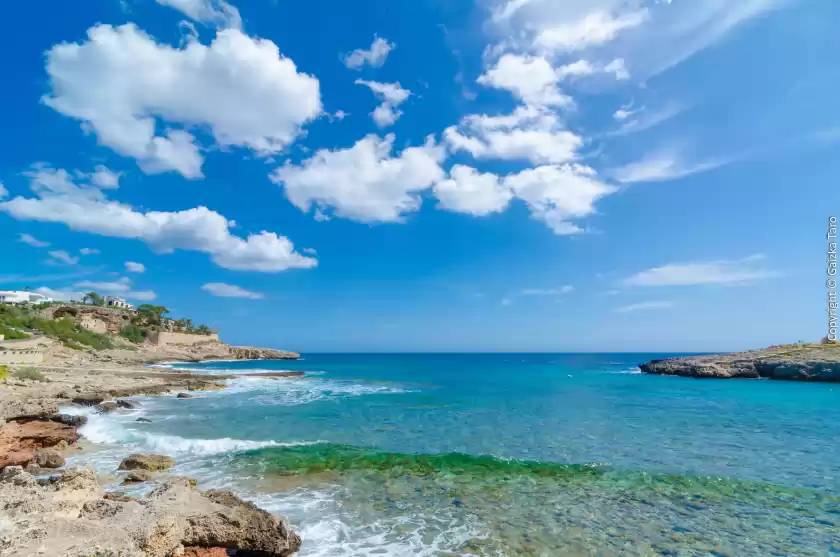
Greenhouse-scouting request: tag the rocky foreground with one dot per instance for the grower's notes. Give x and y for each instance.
(70, 515)
(797, 362)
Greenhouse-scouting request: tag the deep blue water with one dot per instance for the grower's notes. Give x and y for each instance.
(388, 467)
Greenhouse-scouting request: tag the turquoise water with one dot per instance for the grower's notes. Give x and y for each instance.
(508, 455)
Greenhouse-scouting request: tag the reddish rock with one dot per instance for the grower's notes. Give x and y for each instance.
(205, 552)
(19, 440)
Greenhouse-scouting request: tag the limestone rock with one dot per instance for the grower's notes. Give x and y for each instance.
(107, 406)
(127, 404)
(150, 462)
(19, 439)
(251, 353)
(71, 517)
(788, 362)
(49, 458)
(138, 476)
(205, 552)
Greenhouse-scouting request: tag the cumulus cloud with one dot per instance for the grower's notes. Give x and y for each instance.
(121, 287)
(366, 182)
(528, 133)
(61, 256)
(470, 191)
(3, 191)
(105, 179)
(132, 267)
(375, 57)
(131, 91)
(214, 12)
(645, 306)
(392, 95)
(32, 241)
(529, 78)
(62, 295)
(231, 291)
(723, 272)
(559, 194)
(85, 208)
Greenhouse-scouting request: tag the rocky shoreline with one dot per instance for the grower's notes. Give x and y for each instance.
(69, 514)
(799, 362)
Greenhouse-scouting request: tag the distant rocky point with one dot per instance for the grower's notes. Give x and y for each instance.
(251, 353)
(789, 362)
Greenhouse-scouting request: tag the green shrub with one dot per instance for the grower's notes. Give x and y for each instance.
(133, 333)
(29, 373)
(4, 373)
(11, 334)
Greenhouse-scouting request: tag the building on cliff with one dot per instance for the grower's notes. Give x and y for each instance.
(115, 302)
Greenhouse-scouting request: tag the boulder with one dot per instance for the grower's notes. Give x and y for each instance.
(49, 458)
(130, 405)
(150, 462)
(19, 440)
(185, 395)
(107, 406)
(69, 419)
(72, 517)
(138, 476)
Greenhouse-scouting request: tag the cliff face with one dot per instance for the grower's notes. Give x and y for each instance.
(250, 353)
(786, 363)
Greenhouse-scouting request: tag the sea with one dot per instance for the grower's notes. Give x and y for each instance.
(502, 455)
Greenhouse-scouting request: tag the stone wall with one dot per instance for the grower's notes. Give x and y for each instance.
(93, 323)
(163, 338)
(25, 357)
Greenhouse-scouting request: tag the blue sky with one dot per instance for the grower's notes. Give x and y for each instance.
(484, 175)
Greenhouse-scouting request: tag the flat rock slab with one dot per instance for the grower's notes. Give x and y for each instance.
(150, 462)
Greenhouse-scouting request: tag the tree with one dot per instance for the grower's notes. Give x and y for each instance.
(203, 330)
(151, 315)
(94, 299)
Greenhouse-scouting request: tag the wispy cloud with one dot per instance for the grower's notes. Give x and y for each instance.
(723, 272)
(661, 167)
(645, 306)
(121, 287)
(231, 291)
(89, 251)
(32, 241)
(547, 291)
(636, 121)
(61, 256)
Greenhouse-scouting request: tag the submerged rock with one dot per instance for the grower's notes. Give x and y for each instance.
(150, 462)
(185, 395)
(127, 404)
(143, 420)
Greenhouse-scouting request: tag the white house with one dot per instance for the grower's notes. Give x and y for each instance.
(114, 302)
(20, 297)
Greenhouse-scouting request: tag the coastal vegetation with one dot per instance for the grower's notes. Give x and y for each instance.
(26, 322)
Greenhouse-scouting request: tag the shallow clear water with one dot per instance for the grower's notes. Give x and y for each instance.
(508, 455)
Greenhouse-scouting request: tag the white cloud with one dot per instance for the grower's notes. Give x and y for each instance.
(392, 95)
(644, 119)
(132, 267)
(215, 12)
(121, 287)
(63, 295)
(547, 291)
(4, 193)
(85, 208)
(583, 68)
(231, 291)
(596, 28)
(528, 133)
(473, 192)
(62, 256)
(130, 90)
(734, 272)
(32, 241)
(529, 78)
(660, 167)
(645, 306)
(105, 179)
(89, 251)
(364, 182)
(375, 57)
(558, 194)
(310, 251)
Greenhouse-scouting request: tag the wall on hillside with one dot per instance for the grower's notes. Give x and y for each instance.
(164, 338)
(93, 323)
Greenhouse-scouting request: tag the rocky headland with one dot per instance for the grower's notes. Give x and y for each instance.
(790, 362)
